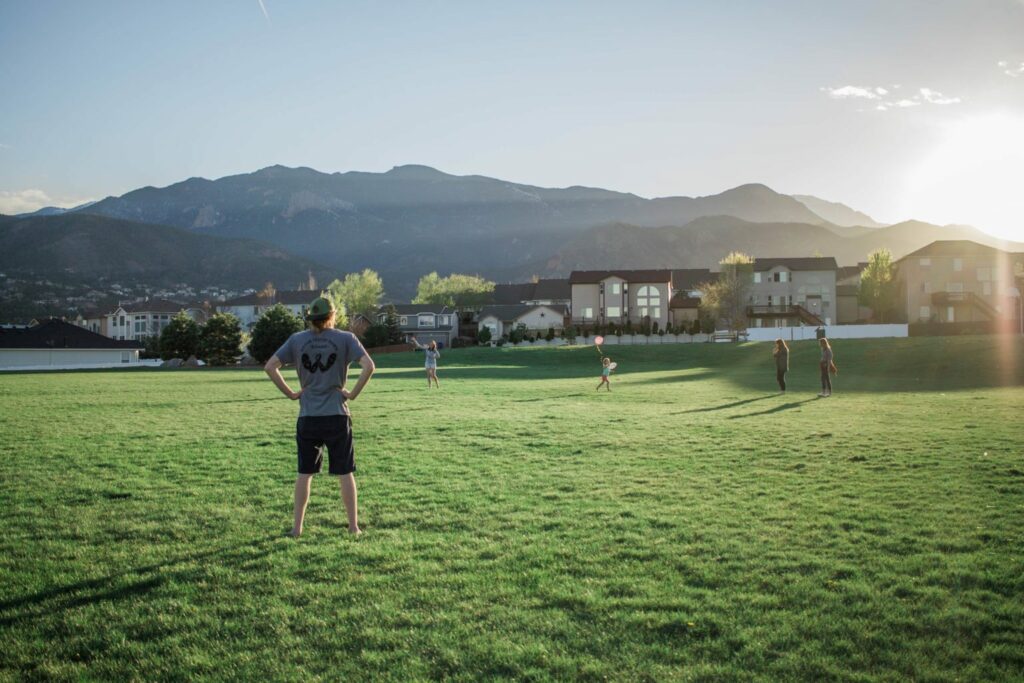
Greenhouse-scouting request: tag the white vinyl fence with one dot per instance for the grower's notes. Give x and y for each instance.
(831, 331)
(760, 334)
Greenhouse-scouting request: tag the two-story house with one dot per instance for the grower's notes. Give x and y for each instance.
(250, 307)
(788, 292)
(426, 322)
(848, 309)
(142, 319)
(615, 296)
(952, 281)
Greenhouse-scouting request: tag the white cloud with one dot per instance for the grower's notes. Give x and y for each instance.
(26, 201)
(848, 91)
(933, 97)
(879, 94)
(1012, 70)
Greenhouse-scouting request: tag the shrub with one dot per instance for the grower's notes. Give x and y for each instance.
(484, 335)
(550, 336)
(271, 330)
(180, 339)
(220, 340)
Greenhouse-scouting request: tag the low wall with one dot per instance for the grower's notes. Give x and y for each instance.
(394, 348)
(770, 334)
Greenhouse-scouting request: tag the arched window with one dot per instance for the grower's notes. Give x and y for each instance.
(648, 300)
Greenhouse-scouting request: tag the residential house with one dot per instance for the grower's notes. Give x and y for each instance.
(788, 292)
(56, 344)
(250, 307)
(501, 319)
(684, 307)
(956, 281)
(426, 322)
(848, 309)
(546, 292)
(142, 319)
(615, 296)
(93, 320)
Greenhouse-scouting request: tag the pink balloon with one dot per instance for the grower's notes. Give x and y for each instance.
(599, 340)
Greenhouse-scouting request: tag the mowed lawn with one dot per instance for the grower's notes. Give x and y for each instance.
(690, 525)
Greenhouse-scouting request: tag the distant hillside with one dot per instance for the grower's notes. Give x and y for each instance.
(704, 241)
(836, 213)
(414, 219)
(84, 246)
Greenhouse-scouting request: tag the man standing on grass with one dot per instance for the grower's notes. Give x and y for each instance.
(322, 355)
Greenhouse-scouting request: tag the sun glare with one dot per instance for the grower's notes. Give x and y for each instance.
(973, 176)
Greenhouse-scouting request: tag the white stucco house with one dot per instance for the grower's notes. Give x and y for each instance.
(147, 318)
(250, 307)
(53, 344)
(501, 319)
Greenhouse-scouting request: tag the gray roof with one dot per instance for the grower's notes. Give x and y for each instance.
(552, 289)
(587, 277)
(542, 290)
(513, 293)
(953, 248)
(57, 334)
(689, 278)
(413, 309)
(796, 263)
(513, 311)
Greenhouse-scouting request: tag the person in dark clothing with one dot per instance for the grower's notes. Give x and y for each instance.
(781, 354)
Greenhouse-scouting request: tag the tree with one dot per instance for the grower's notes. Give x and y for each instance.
(726, 299)
(358, 292)
(394, 330)
(271, 330)
(455, 290)
(180, 339)
(484, 335)
(220, 339)
(878, 288)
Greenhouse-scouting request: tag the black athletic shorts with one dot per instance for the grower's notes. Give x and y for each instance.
(333, 432)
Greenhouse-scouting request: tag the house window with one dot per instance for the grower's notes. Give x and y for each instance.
(781, 276)
(425, 320)
(926, 287)
(925, 313)
(614, 311)
(121, 324)
(442, 320)
(954, 287)
(757, 278)
(126, 356)
(403, 321)
(949, 314)
(643, 312)
(588, 313)
(255, 310)
(616, 288)
(648, 296)
(958, 264)
(924, 262)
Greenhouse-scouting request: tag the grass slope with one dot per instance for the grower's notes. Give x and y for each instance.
(691, 525)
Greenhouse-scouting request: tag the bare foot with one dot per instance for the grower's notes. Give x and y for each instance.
(292, 533)
(355, 532)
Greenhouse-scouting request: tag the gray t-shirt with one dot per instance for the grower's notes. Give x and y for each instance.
(322, 359)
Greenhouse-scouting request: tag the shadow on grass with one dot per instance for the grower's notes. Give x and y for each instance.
(725, 406)
(130, 583)
(776, 409)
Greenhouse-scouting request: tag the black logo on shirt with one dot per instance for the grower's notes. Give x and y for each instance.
(316, 364)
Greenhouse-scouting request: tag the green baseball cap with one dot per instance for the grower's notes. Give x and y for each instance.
(320, 309)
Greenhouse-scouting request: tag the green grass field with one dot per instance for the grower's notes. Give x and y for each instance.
(690, 525)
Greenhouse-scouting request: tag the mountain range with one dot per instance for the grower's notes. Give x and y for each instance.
(415, 219)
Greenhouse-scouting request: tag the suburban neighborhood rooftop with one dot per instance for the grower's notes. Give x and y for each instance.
(57, 334)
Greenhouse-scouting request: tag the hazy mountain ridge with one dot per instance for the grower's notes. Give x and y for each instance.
(837, 213)
(704, 241)
(85, 246)
(413, 219)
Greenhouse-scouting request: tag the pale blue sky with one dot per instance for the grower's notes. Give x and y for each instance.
(656, 98)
